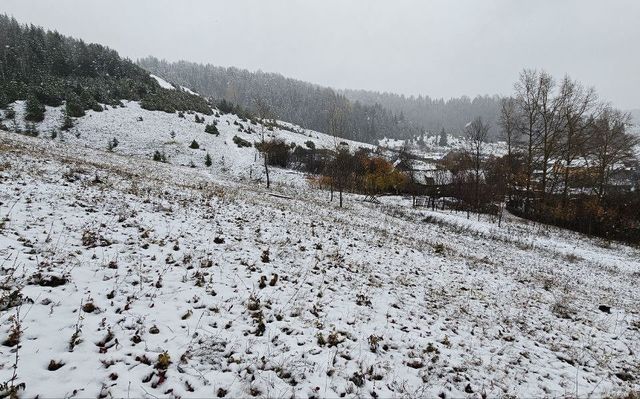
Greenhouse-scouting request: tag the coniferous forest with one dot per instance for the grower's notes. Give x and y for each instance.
(47, 68)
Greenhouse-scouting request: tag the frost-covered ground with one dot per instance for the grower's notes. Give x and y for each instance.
(139, 278)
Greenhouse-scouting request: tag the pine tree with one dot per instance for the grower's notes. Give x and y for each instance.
(55, 67)
(443, 138)
(73, 106)
(207, 160)
(194, 145)
(35, 110)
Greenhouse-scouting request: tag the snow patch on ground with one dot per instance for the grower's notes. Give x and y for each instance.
(163, 83)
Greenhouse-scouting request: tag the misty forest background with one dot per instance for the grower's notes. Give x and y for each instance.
(368, 115)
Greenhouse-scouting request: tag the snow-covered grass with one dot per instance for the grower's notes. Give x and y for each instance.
(137, 278)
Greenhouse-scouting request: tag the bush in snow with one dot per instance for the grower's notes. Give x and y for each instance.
(277, 152)
(10, 113)
(240, 142)
(211, 129)
(159, 156)
(111, 144)
(67, 122)
(31, 130)
(194, 145)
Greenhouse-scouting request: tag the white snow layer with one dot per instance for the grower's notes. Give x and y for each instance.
(122, 260)
(163, 83)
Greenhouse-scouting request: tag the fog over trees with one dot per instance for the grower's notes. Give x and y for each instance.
(435, 114)
(369, 116)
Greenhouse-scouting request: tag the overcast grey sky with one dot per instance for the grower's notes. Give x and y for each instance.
(441, 48)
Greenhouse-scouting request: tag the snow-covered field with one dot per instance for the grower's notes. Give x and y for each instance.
(125, 277)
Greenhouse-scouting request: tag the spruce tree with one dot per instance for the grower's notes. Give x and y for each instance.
(194, 145)
(74, 107)
(207, 160)
(35, 110)
(443, 138)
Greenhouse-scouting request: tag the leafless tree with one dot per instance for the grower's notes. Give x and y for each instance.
(406, 159)
(527, 99)
(343, 169)
(336, 130)
(550, 126)
(263, 114)
(610, 145)
(509, 120)
(476, 133)
(441, 178)
(579, 110)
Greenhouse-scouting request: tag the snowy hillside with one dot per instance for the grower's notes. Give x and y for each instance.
(140, 133)
(125, 277)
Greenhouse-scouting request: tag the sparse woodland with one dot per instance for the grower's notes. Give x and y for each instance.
(571, 159)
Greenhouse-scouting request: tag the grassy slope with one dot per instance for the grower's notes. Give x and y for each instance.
(405, 306)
